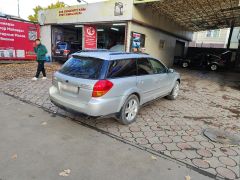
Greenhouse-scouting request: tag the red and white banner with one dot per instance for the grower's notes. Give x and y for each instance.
(90, 37)
(16, 39)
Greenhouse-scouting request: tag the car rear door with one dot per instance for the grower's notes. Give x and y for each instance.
(163, 79)
(146, 80)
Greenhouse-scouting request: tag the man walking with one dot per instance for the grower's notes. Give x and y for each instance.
(41, 52)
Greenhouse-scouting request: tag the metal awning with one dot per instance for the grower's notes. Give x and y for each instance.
(197, 15)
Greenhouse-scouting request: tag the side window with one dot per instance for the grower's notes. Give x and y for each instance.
(144, 67)
(122, 68)
(158, 67)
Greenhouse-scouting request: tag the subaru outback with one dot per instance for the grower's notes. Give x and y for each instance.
(101, 83)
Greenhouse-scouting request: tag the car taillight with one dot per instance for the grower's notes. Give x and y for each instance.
(65, 52)
(101, 88)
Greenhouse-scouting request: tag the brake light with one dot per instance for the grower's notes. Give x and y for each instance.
(65, 52)
(101, 88)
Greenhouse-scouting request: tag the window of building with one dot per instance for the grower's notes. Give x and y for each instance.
(122, 68)
(213, 33)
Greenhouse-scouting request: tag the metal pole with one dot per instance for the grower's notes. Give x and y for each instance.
(18, 9)
(230, 35)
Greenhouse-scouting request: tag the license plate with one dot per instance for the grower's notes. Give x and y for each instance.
(68, 88)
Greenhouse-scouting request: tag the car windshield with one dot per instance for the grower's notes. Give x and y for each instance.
(82, 67)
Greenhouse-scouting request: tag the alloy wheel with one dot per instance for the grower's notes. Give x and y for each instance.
(131, 109)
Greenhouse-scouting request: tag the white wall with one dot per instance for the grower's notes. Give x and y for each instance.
(151, 18)
(45, 36)
(152, 42)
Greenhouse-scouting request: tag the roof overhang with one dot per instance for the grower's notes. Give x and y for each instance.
(197, 15)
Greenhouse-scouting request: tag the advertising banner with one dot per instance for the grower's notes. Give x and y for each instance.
(137, 41)
(16, 39)
(90, 37)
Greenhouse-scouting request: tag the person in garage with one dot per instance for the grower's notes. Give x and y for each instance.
(41, 52)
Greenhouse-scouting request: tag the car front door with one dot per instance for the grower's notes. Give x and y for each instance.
(162, 77)
(146, 80)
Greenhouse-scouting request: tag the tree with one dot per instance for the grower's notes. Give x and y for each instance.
(34, 17)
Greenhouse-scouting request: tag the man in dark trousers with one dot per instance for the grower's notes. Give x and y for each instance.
(41, 52)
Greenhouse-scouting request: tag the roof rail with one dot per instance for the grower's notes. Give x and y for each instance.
(121, 53)
(93, 50)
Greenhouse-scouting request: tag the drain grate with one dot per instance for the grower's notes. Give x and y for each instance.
(223, 137)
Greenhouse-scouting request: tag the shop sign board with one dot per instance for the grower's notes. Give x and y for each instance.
(105, 11)
(90, 37)
(16, 39)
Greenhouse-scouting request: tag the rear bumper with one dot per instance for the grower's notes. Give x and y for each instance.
(95, 107)
(61, 58)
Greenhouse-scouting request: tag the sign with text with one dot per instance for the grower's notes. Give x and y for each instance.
(71, 11)
(104, 11)
(16, 39)
(90, 37)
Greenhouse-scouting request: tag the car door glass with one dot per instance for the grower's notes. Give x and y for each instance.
(158, 67)
(122, 68)
(144, 67)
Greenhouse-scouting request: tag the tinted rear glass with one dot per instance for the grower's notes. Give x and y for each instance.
(86, 68)
(122, 68)
(62, 46)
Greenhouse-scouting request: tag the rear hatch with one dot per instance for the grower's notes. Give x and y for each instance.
(76, 79)
(61, 49)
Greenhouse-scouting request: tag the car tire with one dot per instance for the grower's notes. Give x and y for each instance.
(213, 67)
(185, 64)
(175, 91)
(128, 114)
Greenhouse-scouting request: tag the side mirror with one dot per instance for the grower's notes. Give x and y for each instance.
(170, 70)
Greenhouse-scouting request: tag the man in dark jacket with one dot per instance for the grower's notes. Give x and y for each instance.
(41, 52)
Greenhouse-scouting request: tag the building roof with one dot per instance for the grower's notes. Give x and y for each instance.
(110, 55)
(12, 17)
(197, 15)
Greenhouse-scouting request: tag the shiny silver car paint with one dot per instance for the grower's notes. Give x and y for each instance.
(146, 87)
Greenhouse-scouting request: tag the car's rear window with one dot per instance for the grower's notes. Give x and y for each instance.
(86, 68)
(62, 46)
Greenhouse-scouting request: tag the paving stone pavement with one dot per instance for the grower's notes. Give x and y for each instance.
(172, 128)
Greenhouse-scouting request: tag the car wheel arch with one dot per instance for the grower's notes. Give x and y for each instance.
(126, 95)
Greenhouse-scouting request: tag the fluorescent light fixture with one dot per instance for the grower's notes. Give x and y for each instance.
(78, 26)
(100, 30)
(119, 24)
(114, 29)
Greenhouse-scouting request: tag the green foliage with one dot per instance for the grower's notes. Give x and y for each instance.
(34, 17)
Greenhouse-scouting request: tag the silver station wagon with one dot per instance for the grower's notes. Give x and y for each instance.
(99, 83)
